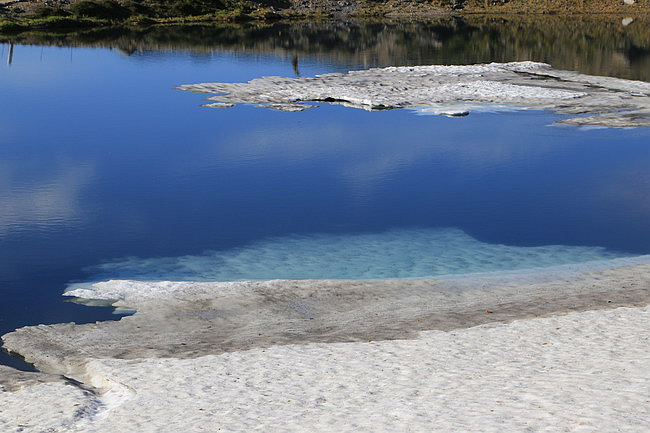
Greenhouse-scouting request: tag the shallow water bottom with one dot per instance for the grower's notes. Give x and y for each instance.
(400, 253)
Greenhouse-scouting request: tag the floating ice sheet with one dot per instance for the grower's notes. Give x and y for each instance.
(400, 253)
(600, 101)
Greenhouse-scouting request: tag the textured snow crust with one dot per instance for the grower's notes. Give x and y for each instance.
(556, 349)
(192, 319)
(600, 101)
(581, 372)
(41, 402)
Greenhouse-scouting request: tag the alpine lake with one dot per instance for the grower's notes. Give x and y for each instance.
(107, 171)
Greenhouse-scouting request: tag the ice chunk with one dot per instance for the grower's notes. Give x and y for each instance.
(605, 101)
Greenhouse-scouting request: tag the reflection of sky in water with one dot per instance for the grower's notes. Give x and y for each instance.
(98, 165)
(161, 164)
(49, 197)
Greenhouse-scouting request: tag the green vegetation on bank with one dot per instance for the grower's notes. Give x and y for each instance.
(50, 22)
(97, 13)
(22, 15)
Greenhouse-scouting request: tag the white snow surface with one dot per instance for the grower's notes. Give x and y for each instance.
(580, 372)
(43, 407)
(601, 101)
(476, 353)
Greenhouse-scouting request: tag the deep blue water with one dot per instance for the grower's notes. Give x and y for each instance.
(101, 159)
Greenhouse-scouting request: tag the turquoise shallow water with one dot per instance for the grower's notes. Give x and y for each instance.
(399, 253)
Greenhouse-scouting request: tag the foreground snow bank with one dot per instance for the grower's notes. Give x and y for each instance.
(583, 372)
(556, 349)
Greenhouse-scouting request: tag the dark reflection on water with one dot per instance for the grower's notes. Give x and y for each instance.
(601, 45)
(101, 159)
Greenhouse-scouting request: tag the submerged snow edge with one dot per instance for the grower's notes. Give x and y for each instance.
(187, 320)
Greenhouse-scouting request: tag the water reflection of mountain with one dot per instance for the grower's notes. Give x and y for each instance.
(596, 45)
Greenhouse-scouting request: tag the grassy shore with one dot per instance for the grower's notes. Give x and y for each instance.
(90, 13)
(558, 7)
(18, 15)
